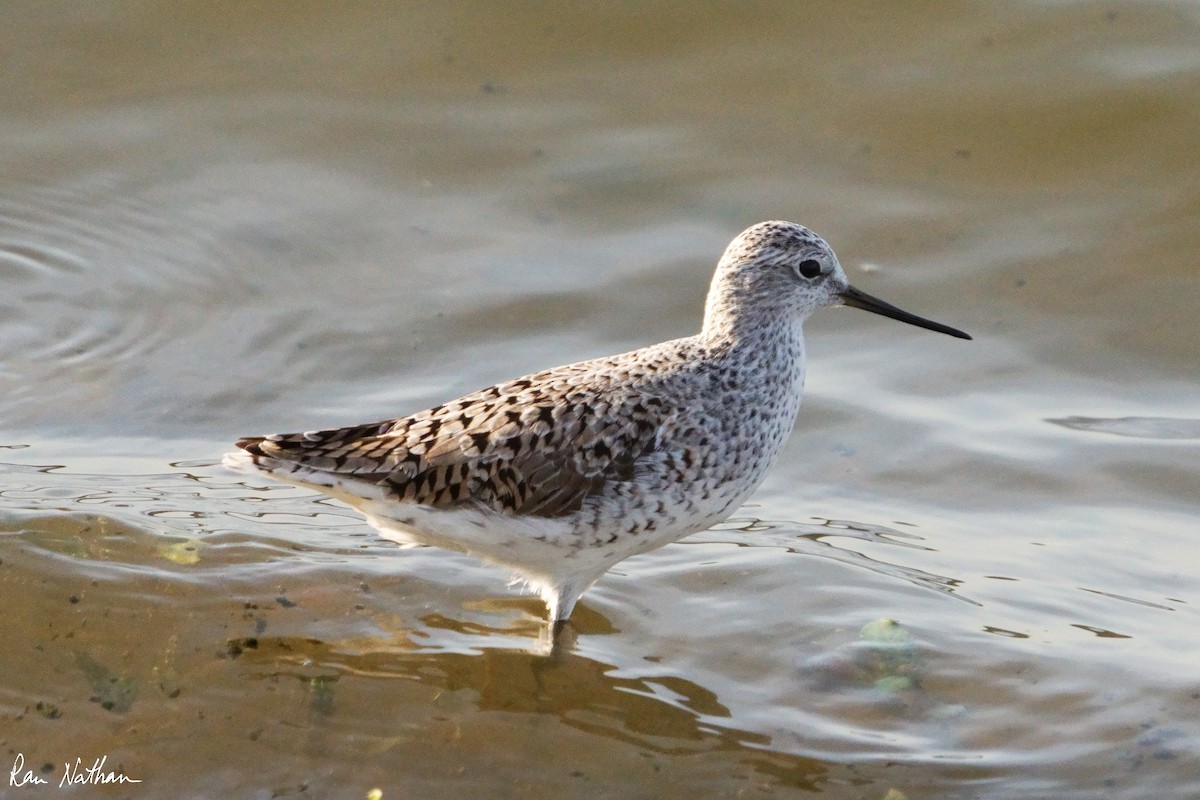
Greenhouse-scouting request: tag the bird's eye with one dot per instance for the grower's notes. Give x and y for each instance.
(809, 268)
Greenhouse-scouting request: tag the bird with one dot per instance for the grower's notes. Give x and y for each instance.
(559, 475)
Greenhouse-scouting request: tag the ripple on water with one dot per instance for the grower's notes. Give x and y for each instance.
(98, 277)
(695, 649)
(170, 520)
(820, 540)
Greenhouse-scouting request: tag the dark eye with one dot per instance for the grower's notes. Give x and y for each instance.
(809, 268)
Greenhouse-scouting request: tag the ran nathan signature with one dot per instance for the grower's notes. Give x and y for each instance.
(73, 774)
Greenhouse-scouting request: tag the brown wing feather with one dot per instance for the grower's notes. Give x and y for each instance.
(513, 447)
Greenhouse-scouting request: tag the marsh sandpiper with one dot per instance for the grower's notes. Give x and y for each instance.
(559, 475)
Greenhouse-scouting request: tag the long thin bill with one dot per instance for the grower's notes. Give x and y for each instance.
(856, 299)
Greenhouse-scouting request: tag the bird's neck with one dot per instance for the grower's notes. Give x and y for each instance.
(738, 314)
(766, 338)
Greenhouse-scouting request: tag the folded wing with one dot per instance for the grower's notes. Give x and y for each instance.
(512, 448)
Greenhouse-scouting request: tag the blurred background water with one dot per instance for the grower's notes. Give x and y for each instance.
(229, 218)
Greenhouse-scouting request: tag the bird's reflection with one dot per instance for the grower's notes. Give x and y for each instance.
(665, 714)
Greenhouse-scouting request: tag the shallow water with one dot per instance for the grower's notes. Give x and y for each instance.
(224, 220)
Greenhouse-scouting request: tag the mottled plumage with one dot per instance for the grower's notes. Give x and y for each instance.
(561, 474)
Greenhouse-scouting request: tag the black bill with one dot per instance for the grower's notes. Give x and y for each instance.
(856, 299)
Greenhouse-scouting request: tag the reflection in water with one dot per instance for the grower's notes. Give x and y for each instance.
(664, 714)
(151, 544)
(179, 592)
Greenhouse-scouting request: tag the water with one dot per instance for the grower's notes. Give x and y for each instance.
(221, 221)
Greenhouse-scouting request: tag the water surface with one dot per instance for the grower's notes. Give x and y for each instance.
(229, 219)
